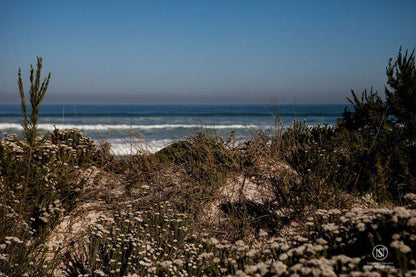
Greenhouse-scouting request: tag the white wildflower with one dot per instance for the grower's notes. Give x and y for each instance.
(251, 253)
(283, 257)
(361, 227)
(99, 272)
(213, 241)
(178, 262)
(412, 222)
(166, 264)
(279, 268)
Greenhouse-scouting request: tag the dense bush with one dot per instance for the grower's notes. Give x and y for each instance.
(80, 150)
(371, 149)
(401, 98)
(37, 190)
(378, 136)
(318, 165)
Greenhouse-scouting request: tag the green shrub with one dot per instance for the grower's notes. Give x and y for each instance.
(320, 178)
(377, 135)
(79, 150)
(189, 172)
(401, 99)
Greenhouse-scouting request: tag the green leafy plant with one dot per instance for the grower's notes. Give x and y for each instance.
(378, 136)
(37, 92)
(401, 98)
(319, 177)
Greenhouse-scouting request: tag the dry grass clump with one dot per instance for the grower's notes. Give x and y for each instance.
(187, 173)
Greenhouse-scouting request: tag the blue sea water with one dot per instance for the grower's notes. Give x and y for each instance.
(155, 126)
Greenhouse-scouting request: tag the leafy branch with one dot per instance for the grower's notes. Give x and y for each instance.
(37, 92)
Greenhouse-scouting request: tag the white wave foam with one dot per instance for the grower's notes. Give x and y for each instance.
(10, 126)
(102, 127)
(123, 147)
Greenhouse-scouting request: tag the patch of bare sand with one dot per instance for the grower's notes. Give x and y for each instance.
(240, 189)
(100, 193)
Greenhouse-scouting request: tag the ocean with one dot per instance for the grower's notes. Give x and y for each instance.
(133, 128)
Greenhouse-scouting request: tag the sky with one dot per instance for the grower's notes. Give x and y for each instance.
(202, 52)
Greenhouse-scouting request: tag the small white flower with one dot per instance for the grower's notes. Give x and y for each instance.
(412, 222)
(213, 241)
(283, 257)
(166, 264)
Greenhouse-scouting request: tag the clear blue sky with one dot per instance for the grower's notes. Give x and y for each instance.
(203, 52)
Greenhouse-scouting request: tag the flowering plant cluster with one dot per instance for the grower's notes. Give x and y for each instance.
(39, 183)
(160, 242)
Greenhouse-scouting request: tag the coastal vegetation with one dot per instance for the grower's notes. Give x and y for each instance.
(313, 201)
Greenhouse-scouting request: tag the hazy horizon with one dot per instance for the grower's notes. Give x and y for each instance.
(209, 53)
(128, 99)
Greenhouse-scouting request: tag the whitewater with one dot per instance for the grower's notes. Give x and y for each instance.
(131, 129)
